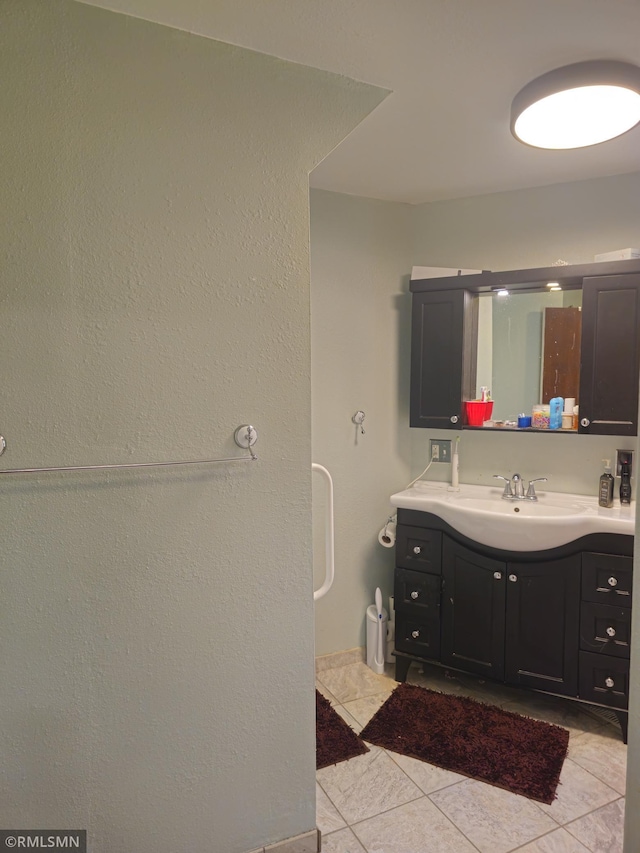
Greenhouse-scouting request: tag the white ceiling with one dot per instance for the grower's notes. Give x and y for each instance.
(453, 67)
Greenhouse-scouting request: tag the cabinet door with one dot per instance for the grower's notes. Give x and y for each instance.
(610, 355)
(443, 341)
(473, 618)
(543, 614)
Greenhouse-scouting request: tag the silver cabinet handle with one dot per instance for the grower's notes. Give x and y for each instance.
(454, 419)
(611, 632)
(417, 550)
(613, 581)
(585, 422)
(609, 682)
(414, 594)
(415, 634)
(513, 578)
(497, 576)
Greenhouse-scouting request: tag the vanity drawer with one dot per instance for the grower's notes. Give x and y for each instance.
(604, 679)
(605, 629)
(607, 578)
(419, 549)
(418, 635)
(416, 592)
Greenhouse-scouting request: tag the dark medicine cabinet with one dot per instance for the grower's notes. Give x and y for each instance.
(602, 374)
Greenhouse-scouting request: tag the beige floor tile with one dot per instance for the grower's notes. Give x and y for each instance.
(601, 831)
(496, 821)
(366, 785)
(603, 756)
(354, 681)
(417, 827)
(343, 841)
(364, 709)
(326, 693)
(558, 841)
(328, 818)
(578, 793)
(348, 718)
(427, 776)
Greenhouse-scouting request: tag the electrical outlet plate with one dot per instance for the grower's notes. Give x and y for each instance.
(441, 449)
(620, 453)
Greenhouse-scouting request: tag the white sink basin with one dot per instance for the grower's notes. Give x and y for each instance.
(480, 513)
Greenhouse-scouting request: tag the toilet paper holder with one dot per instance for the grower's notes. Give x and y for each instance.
(387, 536)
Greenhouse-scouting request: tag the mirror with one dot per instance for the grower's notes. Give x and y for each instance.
(528, 349)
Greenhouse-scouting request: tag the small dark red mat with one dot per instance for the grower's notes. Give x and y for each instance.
(481, 741)
(335, 740)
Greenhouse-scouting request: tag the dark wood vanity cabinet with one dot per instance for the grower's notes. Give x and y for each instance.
(556, 621)
(444, 331)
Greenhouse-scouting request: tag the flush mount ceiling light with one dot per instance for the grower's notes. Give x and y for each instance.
(577, 105)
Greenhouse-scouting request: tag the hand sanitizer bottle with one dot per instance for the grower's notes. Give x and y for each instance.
(605, 494)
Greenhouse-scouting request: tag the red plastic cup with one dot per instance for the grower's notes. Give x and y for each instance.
(478, 412)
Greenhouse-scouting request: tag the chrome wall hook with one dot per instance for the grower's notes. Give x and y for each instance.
(357, 419)
(246, 436)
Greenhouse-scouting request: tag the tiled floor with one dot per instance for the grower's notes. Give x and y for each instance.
(382, 802)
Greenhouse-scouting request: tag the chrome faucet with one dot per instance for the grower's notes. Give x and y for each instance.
(514, 488)
(517, 487)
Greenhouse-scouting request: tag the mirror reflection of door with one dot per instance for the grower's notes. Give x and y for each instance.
(561, 352)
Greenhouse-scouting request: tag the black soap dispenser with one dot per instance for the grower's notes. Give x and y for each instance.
(605, 493)
(625, 479)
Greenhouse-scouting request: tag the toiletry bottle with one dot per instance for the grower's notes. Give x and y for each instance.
(555, 412)
(625, 480)
(605, 494)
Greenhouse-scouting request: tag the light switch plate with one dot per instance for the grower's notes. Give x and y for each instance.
(440, 449)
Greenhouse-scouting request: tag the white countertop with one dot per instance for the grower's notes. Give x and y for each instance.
(480, 513)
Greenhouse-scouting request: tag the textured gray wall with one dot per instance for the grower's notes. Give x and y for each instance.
(157, 626)
(360, 316)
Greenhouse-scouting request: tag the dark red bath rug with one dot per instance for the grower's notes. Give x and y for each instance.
(481, 741)
(335, 740)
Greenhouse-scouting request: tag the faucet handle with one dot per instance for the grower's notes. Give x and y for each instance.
(507, 485)
(531, 492)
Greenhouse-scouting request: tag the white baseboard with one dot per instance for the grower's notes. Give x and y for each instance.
(308, 842)
(340, 658)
